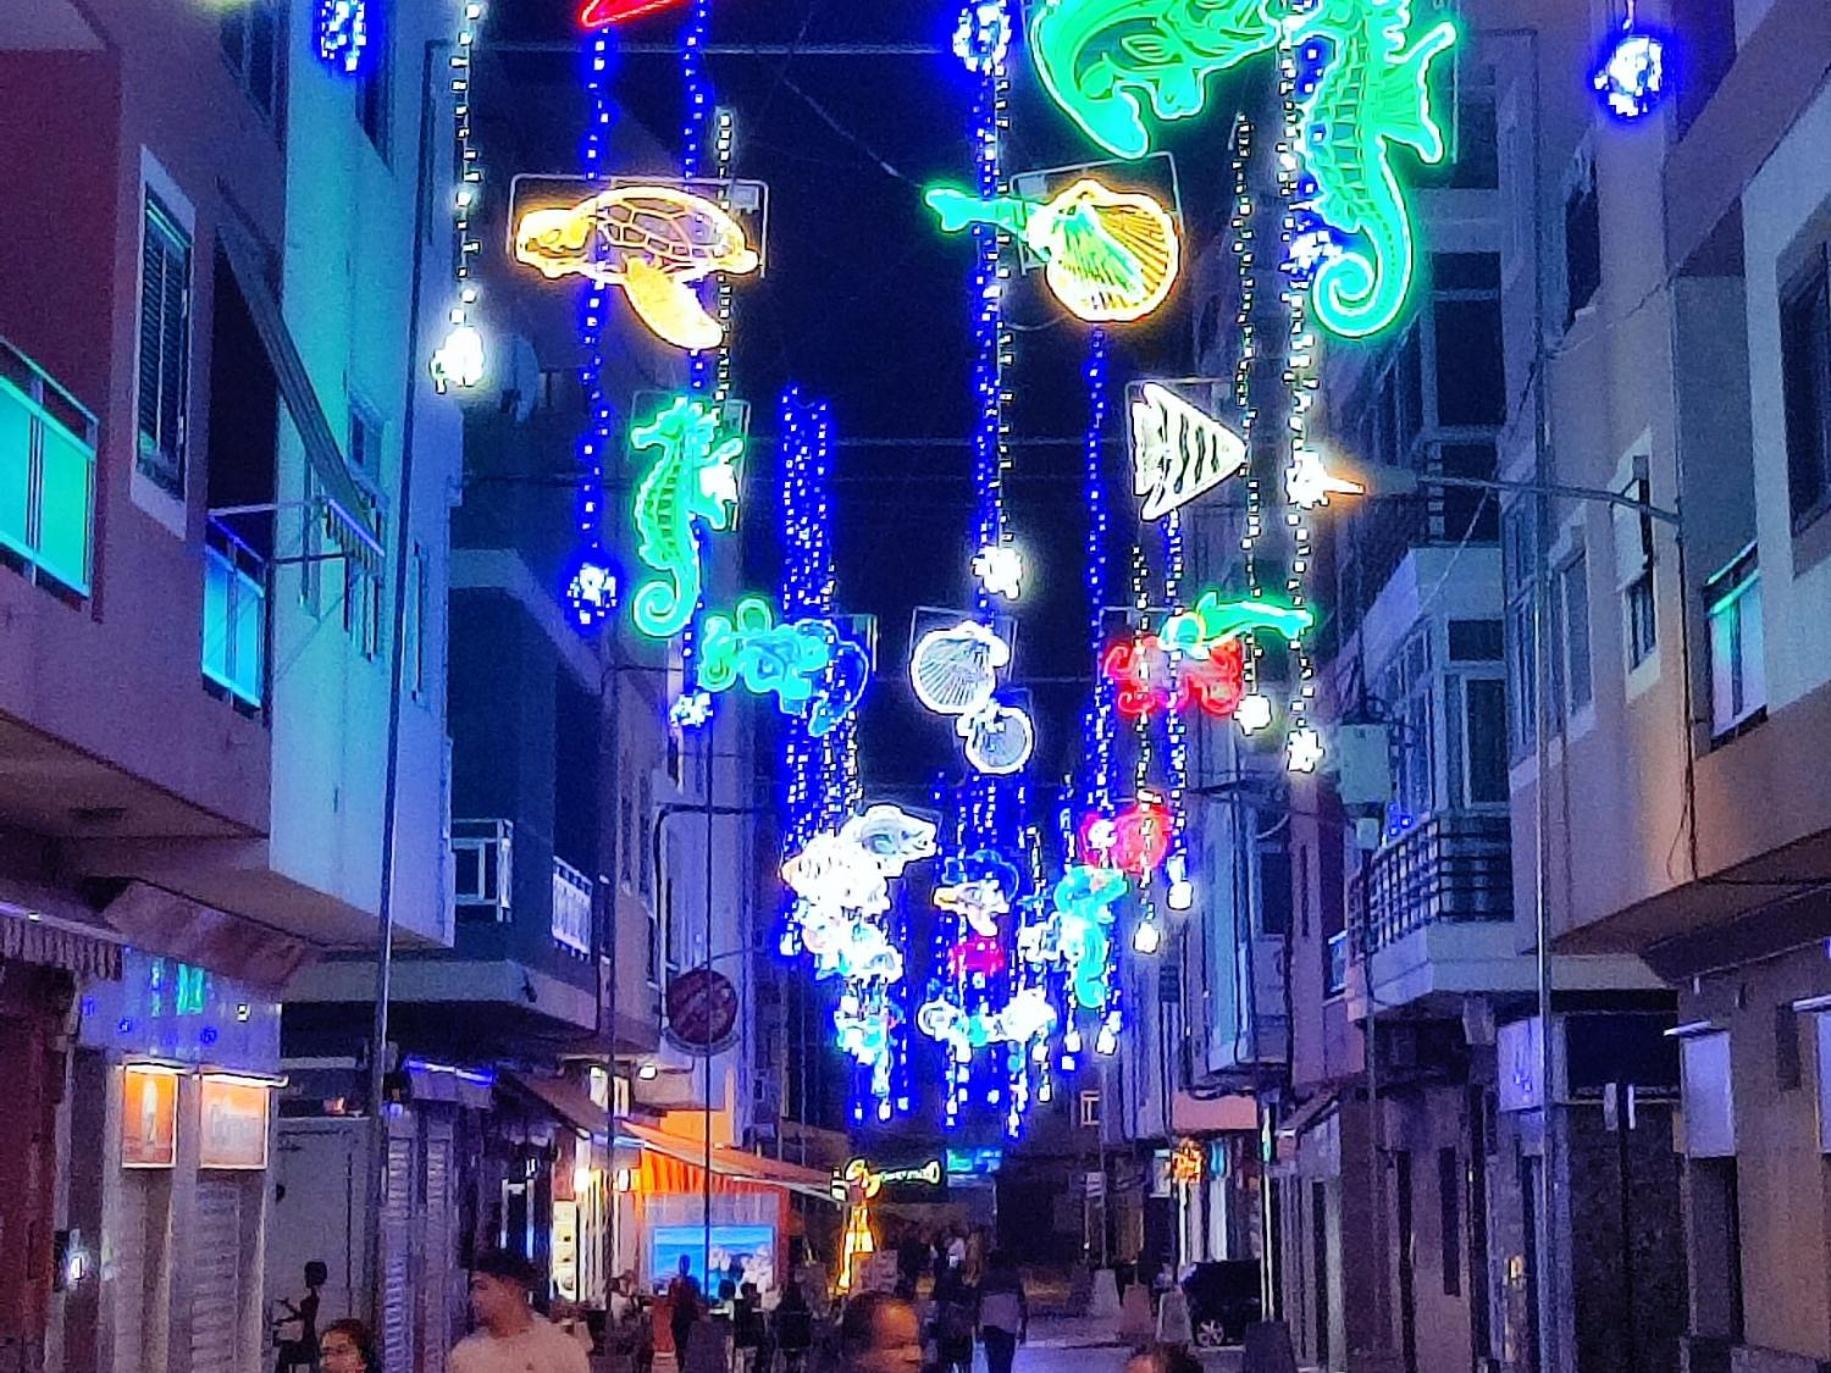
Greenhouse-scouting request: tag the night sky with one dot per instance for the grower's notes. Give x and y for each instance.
(865, 304)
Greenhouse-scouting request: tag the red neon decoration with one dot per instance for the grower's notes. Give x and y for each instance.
(601, 14)
(1151, 680)
(977, 953)
(1136, 840)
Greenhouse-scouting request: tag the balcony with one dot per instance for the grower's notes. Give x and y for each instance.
(571, 922)
(47, 476)
(234, 618)
(1432, 916)
(483, 866)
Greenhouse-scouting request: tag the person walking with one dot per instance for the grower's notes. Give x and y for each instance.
(347, 1347)
(683, 1308)
(794, 1328)
(953, 1322)
(1004, 1312)
(879, 1333)
(512, 1337)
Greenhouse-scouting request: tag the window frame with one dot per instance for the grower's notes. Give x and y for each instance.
(238, 19)
(374, 94)
(1735, 587)
(1582, 208)
(157, 215)
(1518, 535)
(1809, 286)
(1573, 625)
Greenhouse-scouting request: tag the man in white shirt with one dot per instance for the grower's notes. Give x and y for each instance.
(511, 1336)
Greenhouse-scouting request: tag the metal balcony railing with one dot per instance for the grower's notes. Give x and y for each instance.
(571, 923)
(483, 866)
(1452, 868)
(47, 474)
(234, 617)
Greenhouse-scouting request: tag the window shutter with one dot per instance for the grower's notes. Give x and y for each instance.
(165, 305)
(1633, 535)
(152, 305)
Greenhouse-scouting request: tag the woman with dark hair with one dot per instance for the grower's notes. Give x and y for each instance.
(347, 1347)
(1004, 1313)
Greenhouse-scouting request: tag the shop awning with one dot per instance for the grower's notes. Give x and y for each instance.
(1307, 1116)
(569, 1103)
(739, 1165)
(44, 928)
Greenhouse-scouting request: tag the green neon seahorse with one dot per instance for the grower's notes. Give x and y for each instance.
(693, 477)
(1373, 93)
(1097, 58)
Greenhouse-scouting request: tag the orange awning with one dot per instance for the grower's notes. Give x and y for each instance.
(664, 1156)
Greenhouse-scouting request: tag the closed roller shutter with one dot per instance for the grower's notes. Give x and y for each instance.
(215, 1263)
(129, 1242)
(435, 1284)
(397, 1270)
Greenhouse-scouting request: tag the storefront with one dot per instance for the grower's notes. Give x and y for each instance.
(174, 1078)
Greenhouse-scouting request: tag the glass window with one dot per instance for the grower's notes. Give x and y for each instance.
(1477, 164)
(1738, 672)
(165, 347)
(1274, 891)
(1643, 623)
(1470, 513)
(373, 90)
(250, 36)
(1573, 611)
(416, 623)
(1476, 641)
(365, 441)
(1485, 719)
(1582, 244)
(1522, 658)
(1805, 361)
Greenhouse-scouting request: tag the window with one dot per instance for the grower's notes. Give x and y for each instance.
(1406, 688)
(1449, 1217)
(362, 607)
(1090, 1109)
(365, 441)
(1805, 364)
(165, 347)
(1476, 166)
(414, 659)
(373, 93)
(1470, 513)
(1476, 641)
(1709, 27)
(1634, 569)
(653, 964)
(1484, 740)
(1582, 243)
(251, 43)
(627, 833)
(1471, 361)
(1517, 533)
(1570, 605)
(1738, 671)
(1274, 891)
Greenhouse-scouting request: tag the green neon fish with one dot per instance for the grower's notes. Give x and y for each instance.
(693, 478)
(1224, 619)
(1109, 256)
(1373, 93)
(1097, 58)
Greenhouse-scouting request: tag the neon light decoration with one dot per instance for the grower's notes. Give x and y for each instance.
(982, 39)
(1178, 452)
(1373, 94)
(1078, 932)
(1631, 78)
(592, 593)
(1308, 483)
(1102, 61)
(978, 887)
(1000, 570)
(1109, 256)
(690, 710)
(654, 243)
(892, 836)
(1098, 59)
(1135, 841)
(342, 31)
(692, 481)
(813, 671)
(1026, 1017)
(955, 672)
(1303, 750)
(601, 14)
(459, 360)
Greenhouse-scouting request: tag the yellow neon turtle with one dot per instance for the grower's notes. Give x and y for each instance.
(653, 242)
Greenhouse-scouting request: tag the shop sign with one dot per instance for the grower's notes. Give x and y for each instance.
(233, 1122)
(149, 1116)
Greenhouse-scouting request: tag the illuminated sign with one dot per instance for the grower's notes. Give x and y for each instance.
(232, 1122)
(149, 1116)
(954, 671)
(1178, 452)
(653, 243)
(692, 481)
(813, 672)
(1109, 256)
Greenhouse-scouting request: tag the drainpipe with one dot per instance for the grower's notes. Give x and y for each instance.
(374, 1234)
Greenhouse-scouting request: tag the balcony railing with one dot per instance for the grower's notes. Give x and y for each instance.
(1451, 869)
(234, 617)
(571, 921)
(483, 866)
(47, 474)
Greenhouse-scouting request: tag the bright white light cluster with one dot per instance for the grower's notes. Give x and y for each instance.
(842, 882)
(955, 672)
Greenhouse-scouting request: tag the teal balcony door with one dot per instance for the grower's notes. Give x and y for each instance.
(47, 475)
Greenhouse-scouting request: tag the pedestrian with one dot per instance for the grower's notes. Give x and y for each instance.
(683, 1308)
(953, 1322)
(1004, 1312)
(1162, 1358)
(347, 1347)
(794, 1327)
(879, 1333)
(747, 1328)
(303, 1351)
(511, 1336)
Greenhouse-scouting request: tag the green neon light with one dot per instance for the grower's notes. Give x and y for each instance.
(1373, 94)
(1102, 61)
(693, 478)
(1109, 256)
(1212, 618)
(1097, 58)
